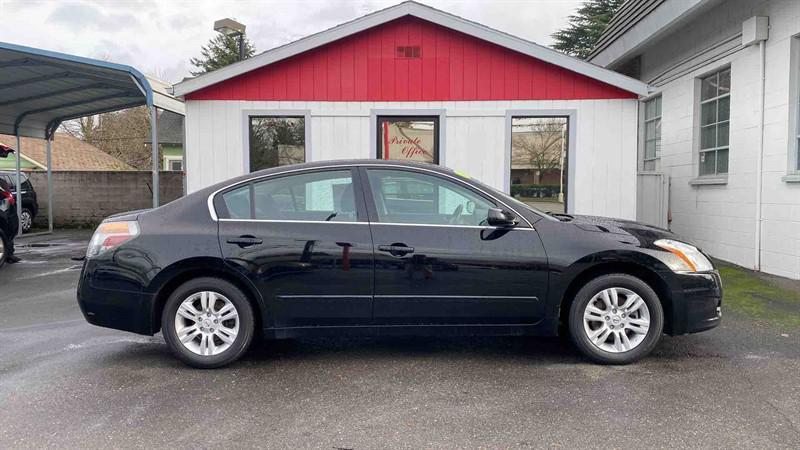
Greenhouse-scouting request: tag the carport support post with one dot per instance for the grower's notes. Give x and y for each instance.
(49, 184)
(18, 157)
(154, 143)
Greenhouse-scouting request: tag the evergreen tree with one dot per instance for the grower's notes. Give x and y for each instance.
(585, 27)
(219, 52)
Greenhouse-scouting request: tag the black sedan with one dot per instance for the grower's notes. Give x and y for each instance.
(387, 248)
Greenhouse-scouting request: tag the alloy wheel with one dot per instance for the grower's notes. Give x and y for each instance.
(26, 221)
(616, 320)
(207, 323)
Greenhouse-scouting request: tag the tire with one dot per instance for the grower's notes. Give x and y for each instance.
(26, 222)
(207, 349)
(4, 247)
(638, 340)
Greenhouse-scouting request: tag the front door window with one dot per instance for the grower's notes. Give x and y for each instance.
(406, 138)
(411, 197)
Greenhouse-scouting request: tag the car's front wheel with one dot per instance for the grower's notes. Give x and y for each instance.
(208, 323)
(616, 319)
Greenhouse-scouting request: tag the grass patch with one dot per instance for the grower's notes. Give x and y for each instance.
(754, 295)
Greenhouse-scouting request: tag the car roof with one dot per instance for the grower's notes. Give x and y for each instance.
(325, 164)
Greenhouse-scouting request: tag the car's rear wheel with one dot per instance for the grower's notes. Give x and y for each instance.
(26, 220)
(208, 323)
(616, 319)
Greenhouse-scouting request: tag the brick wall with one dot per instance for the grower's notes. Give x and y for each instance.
(86, 198)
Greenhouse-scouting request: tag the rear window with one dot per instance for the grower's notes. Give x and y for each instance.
(237, 202)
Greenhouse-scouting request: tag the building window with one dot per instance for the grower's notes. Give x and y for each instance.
(276, 141)
(795, 66)
(539, 161)
(715, 108)
(652, 133)
(173, 163)
(408, 138)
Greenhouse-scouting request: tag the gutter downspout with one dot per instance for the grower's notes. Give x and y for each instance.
(759, 161)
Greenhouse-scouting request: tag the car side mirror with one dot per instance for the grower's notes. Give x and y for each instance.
(500, 218)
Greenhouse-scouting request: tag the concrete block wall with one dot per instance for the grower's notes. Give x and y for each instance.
(721, 218)
(86, 198)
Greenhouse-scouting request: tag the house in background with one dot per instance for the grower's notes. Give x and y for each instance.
(68, 154)
(414, 83)
(719, 138)
(170, 140)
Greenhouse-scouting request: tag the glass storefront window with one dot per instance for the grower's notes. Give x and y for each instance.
(539, 162)
(409, 139)
(276, 141)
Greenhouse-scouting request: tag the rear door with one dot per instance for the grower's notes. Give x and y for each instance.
(436, 262)
(303, 239)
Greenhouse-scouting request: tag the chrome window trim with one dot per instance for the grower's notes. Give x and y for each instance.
(214, 217)
(291, 221)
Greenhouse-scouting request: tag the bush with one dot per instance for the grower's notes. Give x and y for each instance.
(534, 190)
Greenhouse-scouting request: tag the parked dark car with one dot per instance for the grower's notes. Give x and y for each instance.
(387, 248)
(9, 223)
(30, 205)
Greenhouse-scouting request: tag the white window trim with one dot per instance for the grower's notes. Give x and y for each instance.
(793, 160)
(170, 158)
(373, 128)
(277, 113)
(572, 142)
(643, 121)
(710, 179)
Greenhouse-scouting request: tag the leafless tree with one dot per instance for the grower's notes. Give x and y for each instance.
(124, 134)
(539, 144)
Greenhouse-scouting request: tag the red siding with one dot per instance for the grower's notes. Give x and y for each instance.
(451, 66)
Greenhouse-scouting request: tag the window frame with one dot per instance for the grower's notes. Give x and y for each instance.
(372, 211)
(169, 159)
(793, 160)
(220, 211)
(699, 122)
(274, 113)
(643, 138)
(436, 119)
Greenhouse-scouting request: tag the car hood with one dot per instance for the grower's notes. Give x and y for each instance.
(625, 230)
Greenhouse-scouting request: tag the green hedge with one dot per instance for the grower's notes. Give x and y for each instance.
(534, 190)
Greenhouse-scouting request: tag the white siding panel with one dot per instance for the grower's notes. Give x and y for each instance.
(474, 143)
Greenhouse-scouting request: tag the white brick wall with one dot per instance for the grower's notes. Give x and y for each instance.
(722, 218)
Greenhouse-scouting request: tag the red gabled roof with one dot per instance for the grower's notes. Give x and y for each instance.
(449, 66)
(454, 55)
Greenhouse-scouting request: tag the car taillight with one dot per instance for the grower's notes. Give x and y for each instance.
(110, 235)
(7, 196)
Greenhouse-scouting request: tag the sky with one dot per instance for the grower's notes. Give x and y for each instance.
(159, 37)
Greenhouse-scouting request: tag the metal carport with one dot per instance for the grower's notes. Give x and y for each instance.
(39, 89)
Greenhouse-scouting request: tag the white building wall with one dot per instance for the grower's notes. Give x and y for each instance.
(722, 218)
(604, 175)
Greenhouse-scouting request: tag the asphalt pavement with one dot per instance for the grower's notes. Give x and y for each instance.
(67, 384)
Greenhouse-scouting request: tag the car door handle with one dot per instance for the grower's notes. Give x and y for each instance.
(245, 241)
(396, 250)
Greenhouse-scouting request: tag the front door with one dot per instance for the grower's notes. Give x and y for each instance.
(436, 262)
(304, 241)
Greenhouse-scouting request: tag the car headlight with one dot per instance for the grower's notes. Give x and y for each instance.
(685, 257)
(110, 235)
